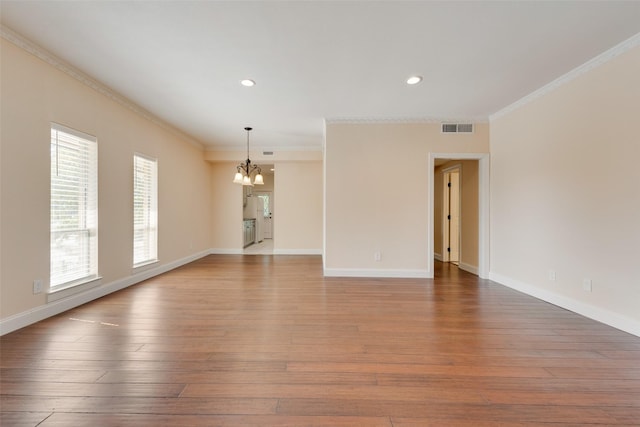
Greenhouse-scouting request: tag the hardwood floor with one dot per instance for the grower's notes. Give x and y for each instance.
(265, 341)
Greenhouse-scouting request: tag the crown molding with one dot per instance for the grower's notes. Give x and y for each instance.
(403, 120)
(604, 57)
(61, 65)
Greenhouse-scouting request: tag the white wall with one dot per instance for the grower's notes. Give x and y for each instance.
(565, 194)
(34, 93)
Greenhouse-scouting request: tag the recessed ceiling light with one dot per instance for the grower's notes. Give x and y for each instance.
(247, 82)
(414, 80)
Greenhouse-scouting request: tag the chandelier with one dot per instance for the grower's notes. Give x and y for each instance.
(245, 170)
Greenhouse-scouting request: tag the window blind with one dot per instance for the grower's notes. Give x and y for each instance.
(145, 210)
(74, 207)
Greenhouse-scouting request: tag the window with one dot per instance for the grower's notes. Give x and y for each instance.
(264, 198)
(74, 208)
(145, 210)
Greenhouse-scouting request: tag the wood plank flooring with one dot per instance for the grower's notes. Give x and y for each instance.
(267, 341)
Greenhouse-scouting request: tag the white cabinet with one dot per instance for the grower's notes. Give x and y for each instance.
(249, 231)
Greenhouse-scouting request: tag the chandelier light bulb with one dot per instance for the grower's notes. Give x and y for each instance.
(246, 169)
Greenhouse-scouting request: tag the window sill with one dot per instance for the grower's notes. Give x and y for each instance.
(74, 288)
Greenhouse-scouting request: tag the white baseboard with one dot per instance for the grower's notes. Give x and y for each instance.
(216, 251)
(607, 317)
(357, 272)
(297, 251)
(219, 251)
(26, 318)
(468, 267)
(437, 257)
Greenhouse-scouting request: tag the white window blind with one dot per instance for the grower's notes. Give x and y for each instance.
(145, 210)
(74, 207)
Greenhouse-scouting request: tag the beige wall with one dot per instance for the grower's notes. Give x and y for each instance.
(297, 222)
(226, 215)
(297, 207)
(565, 193)
(469, 226)
(469, 215)
(438, 212)
(35, 94)
(377, 181)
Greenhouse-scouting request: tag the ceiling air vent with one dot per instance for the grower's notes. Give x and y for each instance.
(267, 153)
(457, 127)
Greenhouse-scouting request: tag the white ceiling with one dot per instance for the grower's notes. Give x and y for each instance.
(317, 60)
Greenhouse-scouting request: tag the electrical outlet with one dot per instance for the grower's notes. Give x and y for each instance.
(587, 285)
(37, 286)
(552, 275)
(377, 256)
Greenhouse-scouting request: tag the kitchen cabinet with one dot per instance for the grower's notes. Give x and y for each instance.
(249, 231)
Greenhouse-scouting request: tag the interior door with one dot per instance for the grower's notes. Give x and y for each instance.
(454, 217)
(267, 199)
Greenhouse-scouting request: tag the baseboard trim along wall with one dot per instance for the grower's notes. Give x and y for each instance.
(297, 251)
(37, 314)
(595, 313)
(42, 312)
(225, 251)
(437, 256)
(473, 269)
(216, 251)
(355, 272)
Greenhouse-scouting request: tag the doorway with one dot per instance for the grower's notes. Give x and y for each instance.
(267, 204)
(263, 197)
(482, 269)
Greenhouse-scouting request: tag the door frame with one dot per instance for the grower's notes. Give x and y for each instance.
(483, 207)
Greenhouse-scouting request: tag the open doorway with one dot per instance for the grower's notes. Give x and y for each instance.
(477, 241)
(262, 197)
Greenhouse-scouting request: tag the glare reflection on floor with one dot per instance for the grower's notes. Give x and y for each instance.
(92, 321)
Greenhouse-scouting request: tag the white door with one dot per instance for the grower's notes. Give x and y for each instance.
(267, 200)
(454, 217)
(451, 220)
